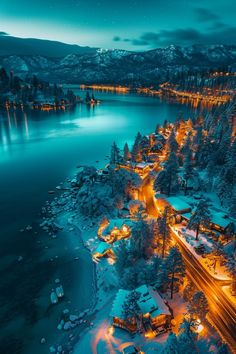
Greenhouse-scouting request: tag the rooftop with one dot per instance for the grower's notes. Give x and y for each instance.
(102, 247)
(116, 223)
(178, 203)
(149, 302)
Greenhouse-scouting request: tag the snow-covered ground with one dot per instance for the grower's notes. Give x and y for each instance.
(188, 237)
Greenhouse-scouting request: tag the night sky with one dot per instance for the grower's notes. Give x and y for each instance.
(127, 24)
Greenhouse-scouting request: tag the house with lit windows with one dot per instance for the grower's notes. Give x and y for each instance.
(115, 230)
(153, 316)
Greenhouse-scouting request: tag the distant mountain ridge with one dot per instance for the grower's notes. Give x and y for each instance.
(30, 46)
(91, 65)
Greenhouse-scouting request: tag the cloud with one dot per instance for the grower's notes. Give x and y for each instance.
(204, 15)
(139, 42)
(116, 39)
(218, 33)
(3, 33)
(150, 36)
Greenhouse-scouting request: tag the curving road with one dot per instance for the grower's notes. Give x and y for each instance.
(222, 313)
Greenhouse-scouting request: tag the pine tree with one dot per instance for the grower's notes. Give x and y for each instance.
(223, 148)
(167, 180)
(171, 346)
(175, 269)
(211, 172)
(4, 79)
(115, 157)
(200, 217)
(198, 305)
(157, 129)
(155, 269)
(204, 152)
(223, 349)
(188, 170)
(187, 338)
(136, 155)
(187, 145)
(232, 207)
(141, 239)
(122, 260)
(171, 169)
(126, 154)
(172, 145)
(188, 291)
(164, 230)
(130, 308)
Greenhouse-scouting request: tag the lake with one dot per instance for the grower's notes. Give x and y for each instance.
(38, 150)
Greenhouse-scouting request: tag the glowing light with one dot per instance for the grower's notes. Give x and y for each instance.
(200, 328)
(125, 228)
(111, 330)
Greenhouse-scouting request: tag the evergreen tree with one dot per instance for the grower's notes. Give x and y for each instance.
(130, 308)
(200, 217)
(141, 239)
(115, 157)
(232, 207)
(175, 269)
(87, 98)
(188, 291)
(155, 267)
(223, 147)
(167, 180)
(164, 230)
(157, 129)
(198, 305)
(171, 345)
(204, 152)
(187, 338)
(223, 349)
(16, 84)
(171, 169)
(126, 153)
(122, 260)
(4, 80)
(187, 145)
(172, 145)
(188, 170)
(211, 172)
(136, 155)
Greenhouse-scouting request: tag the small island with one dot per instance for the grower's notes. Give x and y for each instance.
(35, 94)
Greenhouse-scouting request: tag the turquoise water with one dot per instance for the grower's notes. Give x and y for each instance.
(38, 150)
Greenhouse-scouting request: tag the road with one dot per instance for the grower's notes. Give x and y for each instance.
(222, 312)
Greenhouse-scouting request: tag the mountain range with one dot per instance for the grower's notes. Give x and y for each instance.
(60, 62)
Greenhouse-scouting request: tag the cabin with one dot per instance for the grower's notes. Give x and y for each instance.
(143, 167)
(179, 207)
(154, 315)
(115, 230)
(219, 222)
(103, 250)
(156, 139)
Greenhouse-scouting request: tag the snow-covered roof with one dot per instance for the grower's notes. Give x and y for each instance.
(218, 218)
(142, 165)
(149, 302)
(102, 247)
(116, 223)
(178, 203)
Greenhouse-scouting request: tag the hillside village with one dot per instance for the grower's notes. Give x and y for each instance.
(164, 216)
